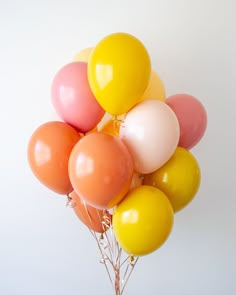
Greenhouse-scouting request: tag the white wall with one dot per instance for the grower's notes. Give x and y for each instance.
(44, 250)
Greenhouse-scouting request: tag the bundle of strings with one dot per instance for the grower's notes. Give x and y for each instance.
(119, 265)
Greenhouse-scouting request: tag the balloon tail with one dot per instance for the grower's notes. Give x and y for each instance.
(118, 121)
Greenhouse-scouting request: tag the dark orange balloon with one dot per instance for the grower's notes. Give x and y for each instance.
(49, 149)
(97, 220)
(101, 170)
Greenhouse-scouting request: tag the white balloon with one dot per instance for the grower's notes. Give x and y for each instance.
(151, 132)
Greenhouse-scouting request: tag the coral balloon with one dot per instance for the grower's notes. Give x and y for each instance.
(118, 71)
(73, 99)
(95, 219)
(155, 88)
(192, 118)
(101, 170)
(151, 133)
(143, 220)
(49, 149)
(83, 55)
(179, 178)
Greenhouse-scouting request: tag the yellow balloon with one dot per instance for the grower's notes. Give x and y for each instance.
(179, 178)
(155, 88)
(143, 220)
(83, 55)
(118, 72)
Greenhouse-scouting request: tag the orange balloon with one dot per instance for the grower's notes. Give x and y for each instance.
(97, 220)
(49, 149)
(101, 170)
(112, 127)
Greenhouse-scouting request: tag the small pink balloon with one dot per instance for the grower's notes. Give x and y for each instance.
(150, 130)
(192, 118)
(73, 99)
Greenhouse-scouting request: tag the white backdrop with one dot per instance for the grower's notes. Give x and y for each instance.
(44, 250)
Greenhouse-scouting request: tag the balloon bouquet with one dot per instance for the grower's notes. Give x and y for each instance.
(126, 175)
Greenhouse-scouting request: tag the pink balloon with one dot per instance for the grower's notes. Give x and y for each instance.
(150, 130)
(192, 118)
(73, 99)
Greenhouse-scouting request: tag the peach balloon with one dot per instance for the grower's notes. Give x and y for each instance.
(151, 133)
(101, 170)
(83, 55)
(97, 220)
(49, 150)
(155, 88)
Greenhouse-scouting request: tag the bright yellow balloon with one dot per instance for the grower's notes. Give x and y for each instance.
(143, 220)
(118, 72)
(155, 88)
(179, 178)
(83, 55)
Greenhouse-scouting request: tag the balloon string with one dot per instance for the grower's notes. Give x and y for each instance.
(132, 268)
(110, 250)
(106, 222)
(113, 257)
(126, 271)
(117, 281)
(125, 260)
(105, 258)
(119, 256)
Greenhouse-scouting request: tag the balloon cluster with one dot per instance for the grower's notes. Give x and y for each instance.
(131, 172)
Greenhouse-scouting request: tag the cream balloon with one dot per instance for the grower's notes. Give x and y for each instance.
(151, 132)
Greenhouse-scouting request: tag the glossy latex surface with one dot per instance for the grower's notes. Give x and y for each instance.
(179, 178)
(49, 150)
(143, 220)
(118, 71)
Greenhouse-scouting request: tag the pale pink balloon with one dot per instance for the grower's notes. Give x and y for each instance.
(192, 118)
(73, 99)
(151, 133)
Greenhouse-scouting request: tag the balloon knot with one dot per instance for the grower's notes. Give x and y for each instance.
(70, 202)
